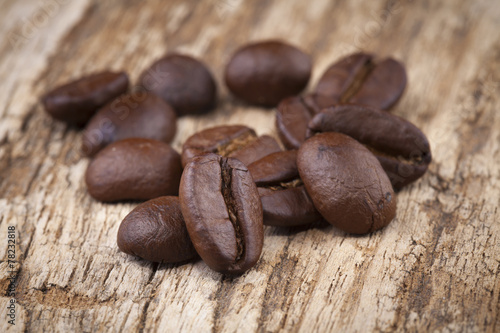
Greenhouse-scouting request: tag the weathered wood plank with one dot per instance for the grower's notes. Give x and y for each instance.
(436, 267)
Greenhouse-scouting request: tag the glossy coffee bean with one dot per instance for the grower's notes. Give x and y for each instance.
(275, 168)
(77, 101)
(293, 115)
(285, 202)
(346, 183)
(358, 79)
(134, 169)
(155, 231)
(264, 73)
(401, 148)
(183, 82)
(255, 150)
(236, 141)
(223, 213)
(136, 115)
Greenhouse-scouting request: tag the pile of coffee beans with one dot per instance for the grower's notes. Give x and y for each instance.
(341, 157)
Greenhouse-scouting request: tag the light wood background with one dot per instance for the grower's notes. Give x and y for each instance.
(436, 267)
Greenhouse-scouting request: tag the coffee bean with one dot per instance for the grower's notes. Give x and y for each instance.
(136, 115)
(346, 183)
(358, 79)
(183, 82)
(223, 213)
(134, 169)
(401, 148)
(155, 231)
(264, 73)
(77, 101)
(217, 139)
(275, 168)
(285, 201)
(293, 115)
(256, 149)
(236, 141)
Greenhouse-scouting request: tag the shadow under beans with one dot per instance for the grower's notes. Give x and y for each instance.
(168, 266)
(293, 230)
(160, 266)
(319, 225)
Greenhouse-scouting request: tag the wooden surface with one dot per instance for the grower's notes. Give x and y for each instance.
(435, 268)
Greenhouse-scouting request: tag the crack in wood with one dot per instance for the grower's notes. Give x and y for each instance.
(222, 298)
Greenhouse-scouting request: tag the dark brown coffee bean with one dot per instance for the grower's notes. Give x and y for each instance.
(264, 73)
(402, 149)
(136, 115)
(343, 76)
(134, 169)
(275, 168)
(358, 79)
(287, 206)
(284, 199)
(76, 102)
(230, 141)
(256, 149)
(293, 115)
(223, 213)
(183, 82)
(155, 231)
(346, 183)
(219, 140)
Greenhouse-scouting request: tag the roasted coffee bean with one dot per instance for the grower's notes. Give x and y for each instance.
(136, 115)
(217, 140)
(76, 102)
(134, 169)
(358, 79)
(155, 231)
(264, 73)
(293, 115)
(346, 183)
(183, 82)
(401, 148)
(236, 141)
(256, 149)
(284, 199)
(275, 168)
(223, 213)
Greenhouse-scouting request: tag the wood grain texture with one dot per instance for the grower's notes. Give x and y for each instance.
(436, 267)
